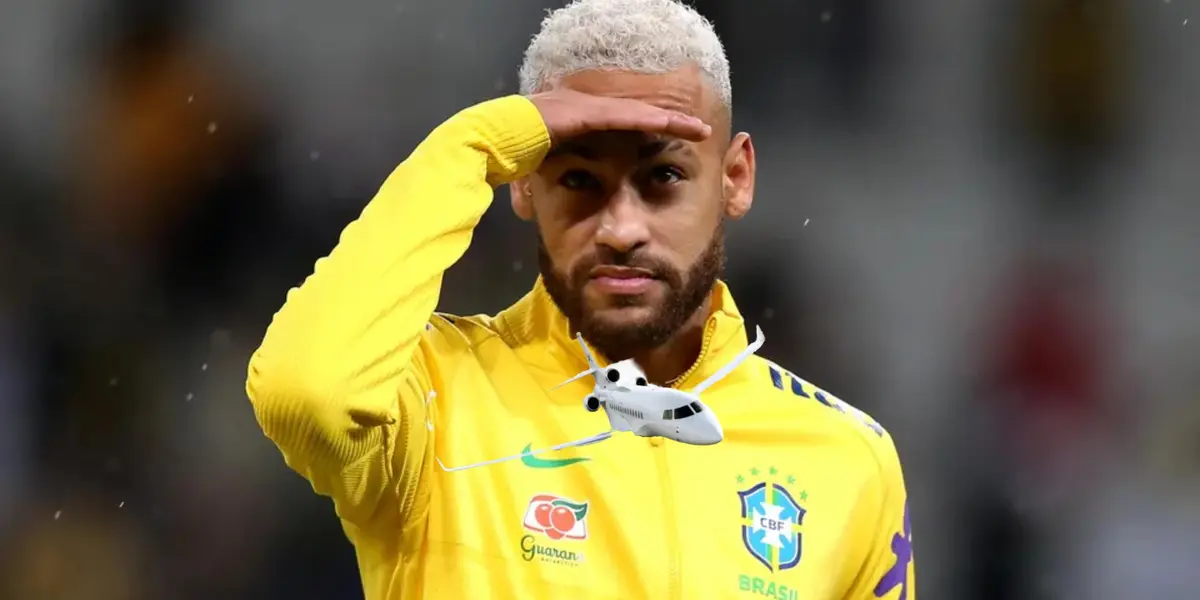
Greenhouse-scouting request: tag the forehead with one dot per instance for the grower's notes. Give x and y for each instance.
(683, 90)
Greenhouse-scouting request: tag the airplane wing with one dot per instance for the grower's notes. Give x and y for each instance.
(599, 437)
(733, 364)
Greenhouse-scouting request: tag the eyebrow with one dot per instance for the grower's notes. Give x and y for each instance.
(661, 146)
(645, 151)
(570, 148)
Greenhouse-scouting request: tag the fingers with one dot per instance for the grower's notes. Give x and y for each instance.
(651, 119)
(568, 114)
(687, 127)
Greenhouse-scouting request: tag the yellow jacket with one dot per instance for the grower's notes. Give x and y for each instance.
(361, 386)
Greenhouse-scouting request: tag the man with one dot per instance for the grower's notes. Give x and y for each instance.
(620, 151)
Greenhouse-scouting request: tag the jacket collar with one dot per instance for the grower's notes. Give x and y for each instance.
(541, 335)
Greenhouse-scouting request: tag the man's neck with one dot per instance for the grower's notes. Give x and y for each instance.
(667, 362)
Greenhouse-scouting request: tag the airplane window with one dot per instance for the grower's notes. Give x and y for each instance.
(640, 381)
(614, 375)
(684, 411)
(668, 415)
(697, 408)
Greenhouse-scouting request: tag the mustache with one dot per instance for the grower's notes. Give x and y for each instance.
(607, 257)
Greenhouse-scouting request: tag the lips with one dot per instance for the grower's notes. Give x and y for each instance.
(612, 272)
(621, 280)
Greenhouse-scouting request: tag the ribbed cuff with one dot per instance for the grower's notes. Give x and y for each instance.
(512, 132)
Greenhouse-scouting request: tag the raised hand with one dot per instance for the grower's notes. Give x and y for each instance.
(568, 113)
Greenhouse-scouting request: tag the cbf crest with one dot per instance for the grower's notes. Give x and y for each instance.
(771, 519)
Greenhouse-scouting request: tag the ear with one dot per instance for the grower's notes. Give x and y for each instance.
(738, 178)
(521, 192)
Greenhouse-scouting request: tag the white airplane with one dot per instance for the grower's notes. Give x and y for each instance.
(635, 405)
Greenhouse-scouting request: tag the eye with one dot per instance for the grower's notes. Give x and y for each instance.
(579, 180)
(665, 175)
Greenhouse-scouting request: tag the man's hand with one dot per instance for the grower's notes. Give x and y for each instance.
(568, 113)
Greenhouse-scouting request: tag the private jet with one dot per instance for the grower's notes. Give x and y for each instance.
(633, 404)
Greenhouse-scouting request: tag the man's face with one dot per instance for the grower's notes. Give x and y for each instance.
(630, 236)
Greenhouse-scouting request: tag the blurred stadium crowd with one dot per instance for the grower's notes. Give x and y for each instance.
(975, 221)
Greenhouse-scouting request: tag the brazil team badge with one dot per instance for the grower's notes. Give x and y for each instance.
(771, 519)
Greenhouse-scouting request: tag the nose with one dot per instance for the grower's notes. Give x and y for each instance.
(713, 432)
(623, 225)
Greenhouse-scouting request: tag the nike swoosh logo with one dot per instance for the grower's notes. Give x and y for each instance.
(534, 462)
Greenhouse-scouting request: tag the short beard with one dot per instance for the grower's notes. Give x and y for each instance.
(686, 293)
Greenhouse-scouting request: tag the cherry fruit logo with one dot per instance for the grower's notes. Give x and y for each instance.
(556, 517)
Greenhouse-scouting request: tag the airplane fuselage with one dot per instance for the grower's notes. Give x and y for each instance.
(650, 411)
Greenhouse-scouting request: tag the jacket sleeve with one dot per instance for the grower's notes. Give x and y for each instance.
(340, 380)
(885, 540)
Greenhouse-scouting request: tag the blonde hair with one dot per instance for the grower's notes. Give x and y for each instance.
(640, 36)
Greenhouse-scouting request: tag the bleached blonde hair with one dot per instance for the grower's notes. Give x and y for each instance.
(640, 36)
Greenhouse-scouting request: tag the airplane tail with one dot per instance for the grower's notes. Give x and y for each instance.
(587, 352)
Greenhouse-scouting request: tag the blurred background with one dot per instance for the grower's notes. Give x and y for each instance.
(984, 206)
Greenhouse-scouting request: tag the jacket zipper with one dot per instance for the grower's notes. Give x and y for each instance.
(709, 329)
(674, 578)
